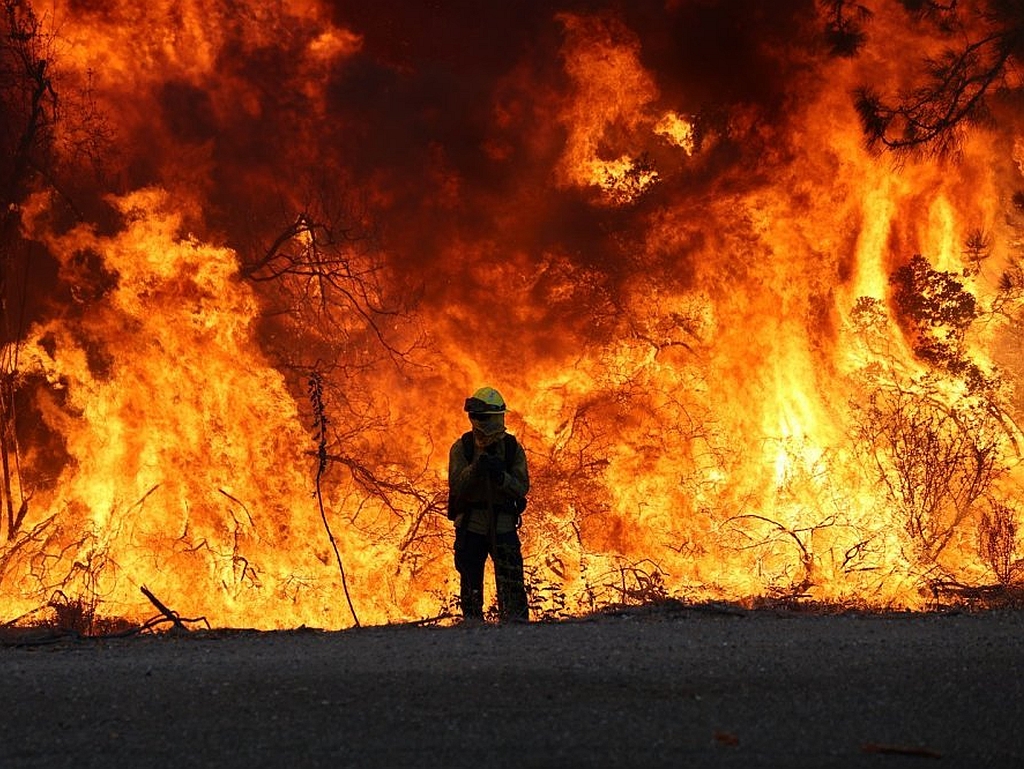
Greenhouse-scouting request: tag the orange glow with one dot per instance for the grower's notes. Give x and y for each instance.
(677, 131)
(680, 265)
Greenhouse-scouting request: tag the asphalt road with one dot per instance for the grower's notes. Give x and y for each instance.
(688, 688)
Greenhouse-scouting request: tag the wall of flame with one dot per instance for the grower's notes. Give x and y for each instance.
(647, 224)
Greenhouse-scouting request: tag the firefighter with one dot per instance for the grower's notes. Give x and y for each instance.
(487, 486)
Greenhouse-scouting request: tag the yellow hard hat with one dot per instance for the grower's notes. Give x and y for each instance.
(486, 400)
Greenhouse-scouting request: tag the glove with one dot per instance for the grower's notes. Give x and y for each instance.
(493, 467)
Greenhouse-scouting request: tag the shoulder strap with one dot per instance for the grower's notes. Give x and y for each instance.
(467, 445)
(510, 451)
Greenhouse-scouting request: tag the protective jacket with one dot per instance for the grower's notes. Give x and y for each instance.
(471, 488)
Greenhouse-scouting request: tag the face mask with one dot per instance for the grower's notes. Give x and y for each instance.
(488, 427)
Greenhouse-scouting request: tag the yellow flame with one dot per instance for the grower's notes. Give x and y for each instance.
(678, 131)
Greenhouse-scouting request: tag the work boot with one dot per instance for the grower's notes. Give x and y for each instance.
(472, 605)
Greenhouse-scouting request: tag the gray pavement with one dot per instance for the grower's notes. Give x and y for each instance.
(688, 688)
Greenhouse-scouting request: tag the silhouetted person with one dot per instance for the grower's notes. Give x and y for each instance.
(487, 485)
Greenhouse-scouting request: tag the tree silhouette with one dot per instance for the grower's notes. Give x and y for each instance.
(28, 114)
(958, 86)
(936, 313)
(49, 141)
(844, 26)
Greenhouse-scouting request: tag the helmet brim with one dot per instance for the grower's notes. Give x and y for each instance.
(476, 406)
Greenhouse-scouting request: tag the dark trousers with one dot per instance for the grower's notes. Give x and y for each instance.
(471, 551)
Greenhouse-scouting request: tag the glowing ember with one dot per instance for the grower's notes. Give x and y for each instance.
(748, 354)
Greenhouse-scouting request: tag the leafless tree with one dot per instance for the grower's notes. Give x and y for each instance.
(332, 316)
(48, 136)
(998, 540)
(28, 113)
(934, 460)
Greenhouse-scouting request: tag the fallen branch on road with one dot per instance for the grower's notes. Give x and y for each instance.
(900, 750)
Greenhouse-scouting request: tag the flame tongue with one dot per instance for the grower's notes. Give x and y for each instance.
(186, 455)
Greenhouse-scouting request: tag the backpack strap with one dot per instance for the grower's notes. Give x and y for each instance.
(510, 451)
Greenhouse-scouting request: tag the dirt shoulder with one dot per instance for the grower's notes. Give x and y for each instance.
(689, 687)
